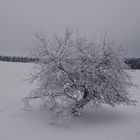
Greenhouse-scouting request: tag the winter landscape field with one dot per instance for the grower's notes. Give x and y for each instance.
(120, 123)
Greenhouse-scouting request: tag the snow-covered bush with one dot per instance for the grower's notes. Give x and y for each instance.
(72, 72)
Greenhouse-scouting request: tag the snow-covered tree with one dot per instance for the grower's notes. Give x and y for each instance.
(71, 73)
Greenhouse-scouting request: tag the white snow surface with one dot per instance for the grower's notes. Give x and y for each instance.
(120, 123)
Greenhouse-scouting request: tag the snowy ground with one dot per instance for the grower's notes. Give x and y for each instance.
(121, 123)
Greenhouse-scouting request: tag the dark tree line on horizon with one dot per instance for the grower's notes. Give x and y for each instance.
(134, 63)
(17, 59)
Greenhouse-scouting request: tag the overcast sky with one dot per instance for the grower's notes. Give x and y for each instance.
(20, 19)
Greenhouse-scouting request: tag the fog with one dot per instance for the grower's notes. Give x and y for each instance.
(20, 19)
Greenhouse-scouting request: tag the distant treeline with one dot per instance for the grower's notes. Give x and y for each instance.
(17, 59)
(134, 63)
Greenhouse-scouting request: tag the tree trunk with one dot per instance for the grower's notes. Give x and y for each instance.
(85, 93)
(82, 102)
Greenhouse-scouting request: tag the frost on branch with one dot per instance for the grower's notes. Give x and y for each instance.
(72, 72)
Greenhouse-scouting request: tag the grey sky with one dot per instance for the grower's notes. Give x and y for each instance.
(20, 19)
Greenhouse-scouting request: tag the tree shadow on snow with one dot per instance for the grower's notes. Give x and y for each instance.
(98, 117)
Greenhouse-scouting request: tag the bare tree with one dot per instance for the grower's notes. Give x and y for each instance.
(72, 72)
